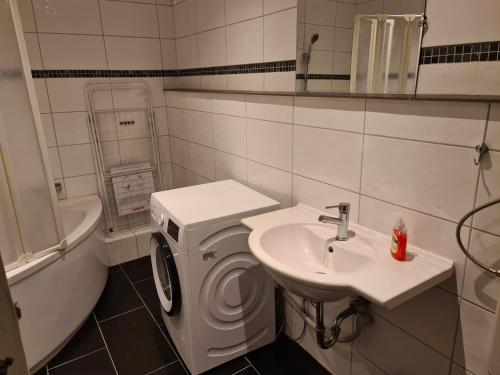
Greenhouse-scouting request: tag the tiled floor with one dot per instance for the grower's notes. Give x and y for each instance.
(126, 335)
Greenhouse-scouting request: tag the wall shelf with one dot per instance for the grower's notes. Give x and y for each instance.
(416, 97)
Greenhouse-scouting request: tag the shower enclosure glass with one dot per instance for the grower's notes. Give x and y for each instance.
(31, 225)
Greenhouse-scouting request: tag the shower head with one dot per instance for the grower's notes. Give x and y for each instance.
(314, 38)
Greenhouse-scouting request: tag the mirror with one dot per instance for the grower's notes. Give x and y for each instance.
(359, 46)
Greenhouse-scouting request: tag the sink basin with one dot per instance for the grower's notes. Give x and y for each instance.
(303, 256)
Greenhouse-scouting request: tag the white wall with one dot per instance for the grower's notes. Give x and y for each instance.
(385, 158)
(92, 35)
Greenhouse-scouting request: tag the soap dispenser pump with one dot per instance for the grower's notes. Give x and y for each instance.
(399, 240)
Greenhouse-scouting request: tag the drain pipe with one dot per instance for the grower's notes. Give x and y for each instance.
(359, 308)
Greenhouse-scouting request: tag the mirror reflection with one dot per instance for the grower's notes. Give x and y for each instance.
(359, 46)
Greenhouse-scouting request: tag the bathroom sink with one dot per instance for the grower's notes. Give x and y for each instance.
(304, 257)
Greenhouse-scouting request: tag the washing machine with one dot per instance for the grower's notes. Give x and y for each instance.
(217, 300)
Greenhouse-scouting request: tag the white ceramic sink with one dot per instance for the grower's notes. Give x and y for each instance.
(303, 256)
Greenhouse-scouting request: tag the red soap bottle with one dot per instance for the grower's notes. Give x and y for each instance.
(399, 239)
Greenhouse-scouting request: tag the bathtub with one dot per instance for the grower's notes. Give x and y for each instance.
(57, 292)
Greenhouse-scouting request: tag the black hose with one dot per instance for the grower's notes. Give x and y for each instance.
(459, 239)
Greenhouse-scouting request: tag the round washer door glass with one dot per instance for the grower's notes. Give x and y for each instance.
(165, 274)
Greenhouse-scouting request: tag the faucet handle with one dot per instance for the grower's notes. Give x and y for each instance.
(343, 207)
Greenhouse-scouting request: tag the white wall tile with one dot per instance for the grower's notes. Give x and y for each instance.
(80, 185)
(444, 122)
(329, 156)
(320, 12)
(122, 251)
(435, 179)
(271, 108)
(133, 53)
(164, 149)
(230, 166)
(480, 25)
(240, 10)
(61, 51)
(280, 31)
(474, 338)
(185, 18)
(428, 232)
(198, 101)
(345, 15)
(343, 40)
(200, 127)
(325, 40)
(272, 182)
(209, 14)
(68, 16)
(230, 134)
(48, 129)
(180, 176)
(245, 42)
(166, 170)
(431, 317)
(270, 143)
(249, 82)
(271, 6)
(76, 160)
(161, 123)
(446, 78)
(229, 104)
(279, 81)
(481, 287)
(175, 99)
(216, 82)
(71, 128)
(180, 153)
(27, 17)
(187, 52)
(129, 19)
(486, 78)
(33, 48)
(493, 134)
(55, 163)
(341, 63)
(396, 352)
(488, 190)
(340, 114)
(202, 160)
(68, 95)
(212, 48)
(319, 195)
(143, 244)
(42, 95)
(166, 21)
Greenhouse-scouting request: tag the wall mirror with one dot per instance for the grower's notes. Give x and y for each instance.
(359, 46)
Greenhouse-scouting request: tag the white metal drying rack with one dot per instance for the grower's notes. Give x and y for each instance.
(117, 224)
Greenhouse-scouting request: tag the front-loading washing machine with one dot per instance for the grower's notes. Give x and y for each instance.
(217, 300)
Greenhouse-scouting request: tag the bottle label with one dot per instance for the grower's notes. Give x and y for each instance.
(394, 245)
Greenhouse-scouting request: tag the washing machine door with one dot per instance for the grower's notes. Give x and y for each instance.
(165, 275)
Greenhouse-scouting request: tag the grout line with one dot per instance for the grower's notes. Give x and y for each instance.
(105, 343)
(156, 323)
(75, 359)
(369, 360)
(241, 369)
(251, 365)
(141, 280)
(162, 367)
(117, 315)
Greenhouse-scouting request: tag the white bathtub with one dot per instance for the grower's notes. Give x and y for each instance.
(57, 292)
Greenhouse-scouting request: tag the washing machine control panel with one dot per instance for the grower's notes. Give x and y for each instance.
(173, 230)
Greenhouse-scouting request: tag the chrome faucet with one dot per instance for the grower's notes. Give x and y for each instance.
(342, 221)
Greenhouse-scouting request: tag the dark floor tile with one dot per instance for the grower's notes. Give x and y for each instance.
(118, 297)
(165, 332)
(285, 357)
(172, 369)
(136, 343)
(87, 339)
(147, 290)
(115, 269)
(138, 269)
(97, 363)
(247, 371)
(42, 371)
(229, 368)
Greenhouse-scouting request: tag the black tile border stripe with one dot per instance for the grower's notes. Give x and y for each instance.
(338, 77)
(266, 67)
(457, 53)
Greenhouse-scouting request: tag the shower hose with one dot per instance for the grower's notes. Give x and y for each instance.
(494, 271)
